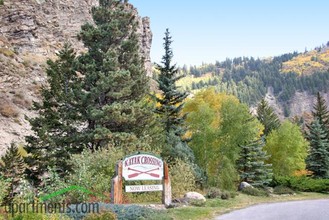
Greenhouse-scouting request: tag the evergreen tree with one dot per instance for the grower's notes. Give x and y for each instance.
(95, 98)
(251, 165)
(55, 128)
(317, 160)
(115, 82)
(267, 116)
(12, 168)
(321, 113)
(171, 103)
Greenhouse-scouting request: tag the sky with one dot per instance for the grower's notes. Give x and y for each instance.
(209, 31)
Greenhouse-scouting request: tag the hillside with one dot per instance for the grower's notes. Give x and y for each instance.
(288, 82)
(30, 33)
(307, 63)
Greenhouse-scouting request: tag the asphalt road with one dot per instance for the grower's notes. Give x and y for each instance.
(298, 210)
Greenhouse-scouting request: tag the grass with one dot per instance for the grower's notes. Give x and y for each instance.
(215, 207)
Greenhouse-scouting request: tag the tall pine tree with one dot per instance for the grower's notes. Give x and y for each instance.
(170, 106)
(12, 168)
(171, 102)
(55, 128)
(115, 82)
(96, 98)
(251, 165)
(267, 116)
(317, 160)
(321, 113)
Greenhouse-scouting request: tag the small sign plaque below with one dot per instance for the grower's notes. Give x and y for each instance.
(144, 188)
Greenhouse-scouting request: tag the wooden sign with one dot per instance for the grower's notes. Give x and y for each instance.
(144, 188)
(142, 167)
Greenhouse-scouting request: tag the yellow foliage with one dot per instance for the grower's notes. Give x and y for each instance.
(159, 96)
(209, 96)
(188, 80)
(152, 101)
(212, 98)
(299, 173)
(307, 63)
(187, 135)
(324, 57)
(21, 151)
(218, 123)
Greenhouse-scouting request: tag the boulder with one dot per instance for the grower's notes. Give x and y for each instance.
(192, 196)
(244, 185)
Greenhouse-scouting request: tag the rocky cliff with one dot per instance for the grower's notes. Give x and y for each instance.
(301, 104)
(31, 31)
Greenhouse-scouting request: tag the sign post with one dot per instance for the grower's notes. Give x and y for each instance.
(116, 188)
(166, 193)
(141, 166)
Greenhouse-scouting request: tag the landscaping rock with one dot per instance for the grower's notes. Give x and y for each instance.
(244, 185)
(192, 196)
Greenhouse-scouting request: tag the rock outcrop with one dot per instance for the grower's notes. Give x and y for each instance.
(31, 31)
(301, 104)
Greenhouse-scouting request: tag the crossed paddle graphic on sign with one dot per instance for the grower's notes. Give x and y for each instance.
(138, 172)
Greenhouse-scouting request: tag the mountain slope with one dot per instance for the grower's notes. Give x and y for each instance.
(290, 81)
(31, 31)
(316, 60)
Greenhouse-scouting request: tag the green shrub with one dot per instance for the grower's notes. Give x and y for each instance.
(213, 193)
(282, 190)
(39, 216)
(197, 202)
(304, 184)
(52, 183)
(233, 194)
(182, 178)
(254, 191)
(143, 197)
(132, 212)
(225, 195)
(26, 192)
(127, 212)
(2, 2)
(94, 171)
(101, 216)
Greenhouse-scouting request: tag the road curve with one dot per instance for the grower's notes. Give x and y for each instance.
(294, 210)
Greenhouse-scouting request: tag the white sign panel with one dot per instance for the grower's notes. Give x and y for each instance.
(142, 167)
(144, 188)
